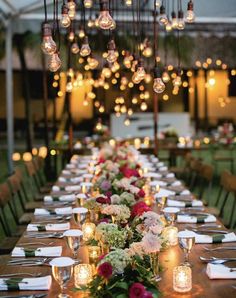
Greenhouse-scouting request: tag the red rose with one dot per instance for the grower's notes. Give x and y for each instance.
(106, 220)
(101, 160)
(141, 193)
(103, 200)
(105, 270)
(137, 290)
(139, 208)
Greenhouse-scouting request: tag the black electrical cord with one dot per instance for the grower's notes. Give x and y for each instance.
(45, 11)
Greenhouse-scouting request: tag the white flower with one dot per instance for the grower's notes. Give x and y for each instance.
(151, 243)
(115, 199)
(136, 248)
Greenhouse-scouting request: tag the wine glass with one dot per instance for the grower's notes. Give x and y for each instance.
(186, 243)
(162, 202)
(62, 270)
(170, 214)
(73, 239)
(79, 215)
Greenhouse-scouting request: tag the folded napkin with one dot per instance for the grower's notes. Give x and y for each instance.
(58, 211)
(217, 238)
(66, 172)
(83, 165)
(170, 175)
(195, 219)
(70, 166)
(53, 251)
(219, 272)
(177, 203)
(48, 227)
(158, 182)
(152, 175)
(176, 183)
(163, 169)
(26, 284)
(160, 164)
(185, 192)
(79, 171)
(87, 176)
(164, 193)
(71, 180)
(64, 198)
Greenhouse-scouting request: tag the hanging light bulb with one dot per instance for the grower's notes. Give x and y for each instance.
(124, 81)
(93, 63)
(143, 106)
(111, 53)
(157, 3)
(190, 15)
(106, 71)
(177, 80)
(74, 48)
(165, 77)
(85, 48)
(181, 23)
(48, 45)
(90, 23)
(88, 3)
(135, 79)
(128, 2)
(168, 26)
(54, 62)
(127, 60)
(148, 78)
(72, 13)
(127, 121)
(81, 33)
(69, 87)
(147, 52)
(163, 20)
(174, 20)
(65, 19)
(71, 36)
(71, 4)
(158, 85)
(134, 63)
(140, 70)
(105, 20)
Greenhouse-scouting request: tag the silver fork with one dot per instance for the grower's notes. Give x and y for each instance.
(36, 243)
(21, 274)
(44, 235)
(220, 248)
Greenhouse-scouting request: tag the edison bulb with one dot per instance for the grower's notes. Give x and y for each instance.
(111, 57)
(141, 73)
(105, 20)
(93, 63)
(48, 45)
(65, 20)
(81, 33)
(127, 62)
(90, 23)
(128, 2)
(163, 20)
(165, 77)
(71, 4)
(181, 24)
(72, 13)
(177, 81)
(147, 52)
(88, 3)
(174, 23)
(133, 67)
(127, 122)
(85, 49)
(113, 25)
(106, 72)
(169, 26)
(135, 78)
(69, 87)
(75, 48)
(54, 62)
(158, 85)
(190, 16)
(148, 78)
(71, 36)
(143, 106)
(157, 3)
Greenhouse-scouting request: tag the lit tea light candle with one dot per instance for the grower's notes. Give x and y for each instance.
(171, 235)
(88, 229)
(94, 254)
(148, 200)
(145, 170)
(182, 279)
(83, 274)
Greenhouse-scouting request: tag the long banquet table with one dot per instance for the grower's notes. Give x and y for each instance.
(202, 285)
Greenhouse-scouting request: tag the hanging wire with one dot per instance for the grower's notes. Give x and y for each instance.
(134, 27)
(178, 48)
(155, 44)
(54, 19)
(57, 26)
(139, 28)
(45, 11)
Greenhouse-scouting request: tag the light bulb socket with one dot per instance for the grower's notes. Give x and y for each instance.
(157, 72)
(190, 5)
(140, 62)
(162, 9)
(180, 14)
(64, 9)
(46, 29)
(111, 45)
(179, 72)
(85, 40)
(173, 15)
(103, 5)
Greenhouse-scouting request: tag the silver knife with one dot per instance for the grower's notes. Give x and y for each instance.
(26, 296)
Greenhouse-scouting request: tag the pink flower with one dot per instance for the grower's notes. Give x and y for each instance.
(101, 160)
(147, 295)
(139, 208)
(105, 270)
(106, 220)
(128, 173)
(137, 290)
(105, 185)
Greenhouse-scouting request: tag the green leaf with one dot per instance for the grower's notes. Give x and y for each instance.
(121, 296)
(122, 285)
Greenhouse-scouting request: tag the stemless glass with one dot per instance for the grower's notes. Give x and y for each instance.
(73, 240)
(79, 215)
(170, 214)
(62, 270)
(186, 243)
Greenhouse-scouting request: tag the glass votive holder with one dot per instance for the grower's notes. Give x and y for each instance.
(88, 230)
(83, 274)
(87, 177)
(182, 279)
(86, 187)
(170, 233)
(81, 198)
(94, 254)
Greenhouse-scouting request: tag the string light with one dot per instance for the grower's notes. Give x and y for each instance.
(48, 45)
(111, 54)
(158, 85)
(75, 48)
(88, 3)
(85, 48)
(54, 62)
(190, 16)
(105, 20)
(163, 20)
(65, 20)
